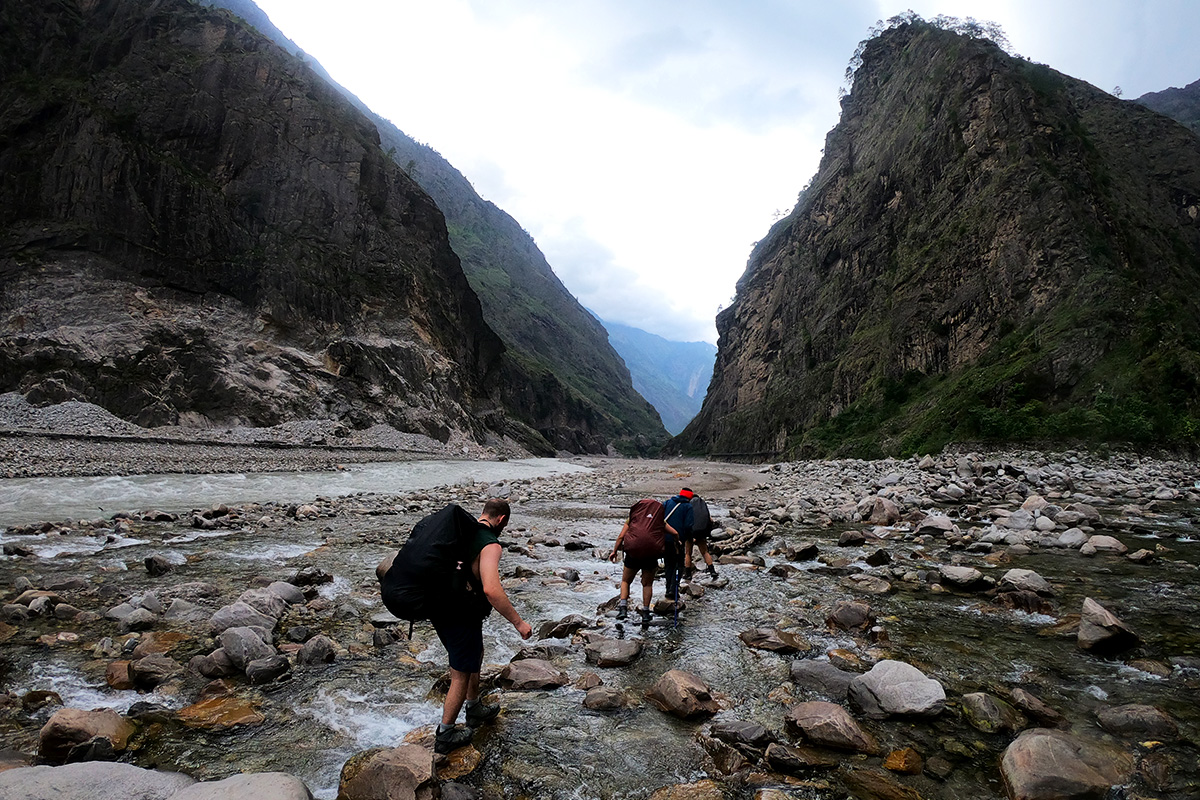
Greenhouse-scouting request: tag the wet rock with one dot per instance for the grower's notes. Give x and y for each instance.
(152, 670)
(1100, 631)
(266, 670)
(287, 592)
(39, 699)
(1026, 580)
(965, 578)
(532, 673)
(1043, 764)
(1152, 667)
(868, 584)
(935, 525)
(798, 759)
(460, 791)
(829, 725)
(117, 676)
(1138, 721)
(317, 650)
(564, 628)
(878, 558)
(700, 790)
(158, 565)
(613, 652)
(265, 602)
(894, 688)
(906, 761)
(850, 616)
(406, 771)
(243, 645)
(750, 737)
(69, 727)
(216, 664)
(139, 619)
(883, 512)
(846, 660)
(1103, 544)
(874, 785)
(180, 610)
(240, 615)
(79, 782)
(1033, 706)
(1029, 602)
(683, 695)
(255, 786)
(1072, 539)
(852, 539)
(991, 714)
(550, 650)
(220, 712)
(606, 698)
(776, 641)
(310, 576)
(821, 677)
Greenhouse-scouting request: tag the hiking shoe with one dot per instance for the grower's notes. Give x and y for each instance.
(711, 570)
(451, 739)
(688, 572)
(479, 713)
(645, 616)
(622, 610)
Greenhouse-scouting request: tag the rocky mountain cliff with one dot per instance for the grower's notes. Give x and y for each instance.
(673, 376)
(196, 228)
(989, 250)
(574, 373)
(1179, 104)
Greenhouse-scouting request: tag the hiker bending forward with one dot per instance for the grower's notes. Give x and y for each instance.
(644, 538)
(461, 631)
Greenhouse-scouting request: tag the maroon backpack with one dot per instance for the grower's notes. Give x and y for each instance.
(646, 536)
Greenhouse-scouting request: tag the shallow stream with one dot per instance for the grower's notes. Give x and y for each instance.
(545, 744)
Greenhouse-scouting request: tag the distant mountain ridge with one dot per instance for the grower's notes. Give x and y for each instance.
(673, 376)
(990, 250)
(562, 348)
(1180, 104)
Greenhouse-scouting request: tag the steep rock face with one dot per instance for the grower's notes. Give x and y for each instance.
(1182, 105)
(562, 376)
(193, 226)
(990, 249)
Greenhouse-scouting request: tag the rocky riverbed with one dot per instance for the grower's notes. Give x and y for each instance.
(983, 625)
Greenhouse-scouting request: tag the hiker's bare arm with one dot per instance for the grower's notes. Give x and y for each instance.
(672, 531)
(489, 575)
(617, 545)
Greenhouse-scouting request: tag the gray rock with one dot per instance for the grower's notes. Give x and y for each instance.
(1138, 721)
(961, 577)
(564, 628)
(821, 677)
(216, 664)
(850, 616)
(830, 725)
(255, 786)
(243, 645)
(1103, 544)
(991, 714)
(152, 670)
(894, 688)
(776, 641)
(532, 673)
(613, 652)
(240, 615)
(265, 601)
(1072, 539)
(1034, 707)
(180, 610)
(1026, 580)
(289, 593)
(1100, 631)
(1043, 764)
(267, 669)
(140, 619)
(94, 780)
(683, 695)
(606, 698)
(317, 650)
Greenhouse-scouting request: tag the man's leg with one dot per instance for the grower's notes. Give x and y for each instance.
(627, 574)
(647, 592)
(460, 686)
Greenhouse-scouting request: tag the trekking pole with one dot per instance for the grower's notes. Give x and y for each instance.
(678, 575)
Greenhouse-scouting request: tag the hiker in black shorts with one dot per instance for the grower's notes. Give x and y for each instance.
(461, 631)
(646, 516)
(701, 527)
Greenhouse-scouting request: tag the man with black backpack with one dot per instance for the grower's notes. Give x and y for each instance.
(678, 511)
(701, 527)
(449, 573)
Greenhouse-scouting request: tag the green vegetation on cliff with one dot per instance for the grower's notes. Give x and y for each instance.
(990, 250)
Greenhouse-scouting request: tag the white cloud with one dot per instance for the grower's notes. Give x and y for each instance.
(647, 146)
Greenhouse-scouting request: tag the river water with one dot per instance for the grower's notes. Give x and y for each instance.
(545, 744)
(27, 500)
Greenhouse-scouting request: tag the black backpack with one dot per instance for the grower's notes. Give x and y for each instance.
(431, 572)
(701, 521)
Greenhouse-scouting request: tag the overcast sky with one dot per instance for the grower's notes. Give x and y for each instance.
(648, 144)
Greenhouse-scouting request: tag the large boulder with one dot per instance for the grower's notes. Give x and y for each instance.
(71, 728)
(1026, 580)
(1043, 764)
(683, 695)
(1103, 544)
(1100, 631)
(830, 725)
(894, 688)
(93, 780)
(400, 773)
(243, 645)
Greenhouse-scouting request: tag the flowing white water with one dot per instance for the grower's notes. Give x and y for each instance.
(28, 500)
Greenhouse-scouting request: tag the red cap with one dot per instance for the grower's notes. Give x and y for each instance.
(688, 493)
